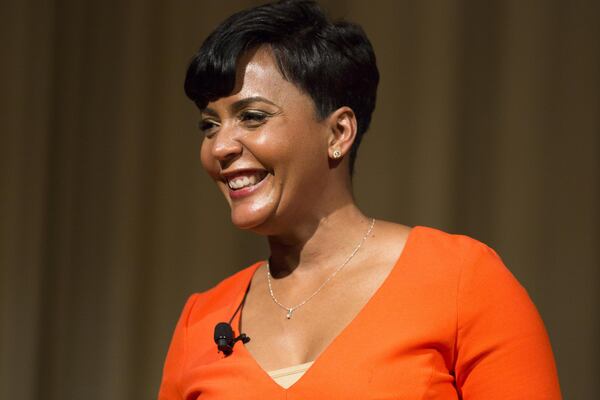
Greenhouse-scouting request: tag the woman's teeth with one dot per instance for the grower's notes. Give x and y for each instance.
(244, 181)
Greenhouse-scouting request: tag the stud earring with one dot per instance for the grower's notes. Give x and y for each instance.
(337, 153)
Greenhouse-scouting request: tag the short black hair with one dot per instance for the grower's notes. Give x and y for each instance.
(332, 62)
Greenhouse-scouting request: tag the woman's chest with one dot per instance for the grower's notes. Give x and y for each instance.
(283, 338)
(384, 353)
(365, 368)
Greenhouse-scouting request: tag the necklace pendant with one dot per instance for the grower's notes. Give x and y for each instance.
(289, 313)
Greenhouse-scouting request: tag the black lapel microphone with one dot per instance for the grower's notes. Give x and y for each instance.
(224, 333)
(225, 340)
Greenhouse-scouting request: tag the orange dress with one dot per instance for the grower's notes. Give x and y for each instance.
(449, 322)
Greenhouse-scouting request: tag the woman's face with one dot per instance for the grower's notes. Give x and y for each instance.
(265, 148)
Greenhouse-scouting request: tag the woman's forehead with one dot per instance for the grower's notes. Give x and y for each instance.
(258, 75)
(258, 71)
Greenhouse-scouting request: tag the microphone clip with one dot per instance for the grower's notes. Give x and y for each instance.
(225, 340)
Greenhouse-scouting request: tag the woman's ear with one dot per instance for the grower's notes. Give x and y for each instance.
(343, 126)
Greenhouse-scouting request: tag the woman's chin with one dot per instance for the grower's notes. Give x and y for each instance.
(248, 218)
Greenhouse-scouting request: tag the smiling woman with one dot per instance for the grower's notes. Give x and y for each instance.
(256, 146)
(345, 306)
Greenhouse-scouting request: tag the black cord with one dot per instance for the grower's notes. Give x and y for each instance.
(238, 309)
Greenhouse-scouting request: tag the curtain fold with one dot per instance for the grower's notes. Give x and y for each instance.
(487, 124)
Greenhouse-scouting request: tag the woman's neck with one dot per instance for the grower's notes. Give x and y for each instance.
(323, 241)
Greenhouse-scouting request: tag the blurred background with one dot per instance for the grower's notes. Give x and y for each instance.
(487, 124)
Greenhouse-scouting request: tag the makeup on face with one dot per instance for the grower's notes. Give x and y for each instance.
(263, 145)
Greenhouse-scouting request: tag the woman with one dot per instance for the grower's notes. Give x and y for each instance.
(345, 307)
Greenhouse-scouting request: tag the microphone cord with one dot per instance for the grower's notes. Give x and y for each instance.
(225, 336)
(239, 307)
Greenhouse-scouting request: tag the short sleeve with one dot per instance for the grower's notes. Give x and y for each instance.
(503, 350)
(169, 387)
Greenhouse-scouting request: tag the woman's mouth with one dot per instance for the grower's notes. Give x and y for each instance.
(245, 183)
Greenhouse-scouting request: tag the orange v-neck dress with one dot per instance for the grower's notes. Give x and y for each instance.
(449, 322)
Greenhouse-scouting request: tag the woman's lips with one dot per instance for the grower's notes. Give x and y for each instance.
(245, 184)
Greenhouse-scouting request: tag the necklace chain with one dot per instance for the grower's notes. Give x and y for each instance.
(290, 310)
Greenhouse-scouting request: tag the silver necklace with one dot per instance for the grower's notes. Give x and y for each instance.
(290, 310)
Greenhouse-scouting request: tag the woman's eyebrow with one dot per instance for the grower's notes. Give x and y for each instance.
(209, 111)
(239, 105)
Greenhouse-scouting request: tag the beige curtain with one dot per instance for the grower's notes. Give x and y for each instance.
(487, 124)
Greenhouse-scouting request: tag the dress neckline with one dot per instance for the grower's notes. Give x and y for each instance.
(324, 355)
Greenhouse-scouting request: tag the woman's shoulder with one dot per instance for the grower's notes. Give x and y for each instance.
(228, 289)
(471, 264)
(450, 246)
(429, 242)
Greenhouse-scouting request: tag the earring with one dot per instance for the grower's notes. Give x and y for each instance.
(337, 153)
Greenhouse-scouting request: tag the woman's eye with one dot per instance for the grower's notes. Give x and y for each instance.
(207, 126)
(253, 118)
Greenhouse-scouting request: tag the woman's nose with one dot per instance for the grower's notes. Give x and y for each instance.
(226, 146)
